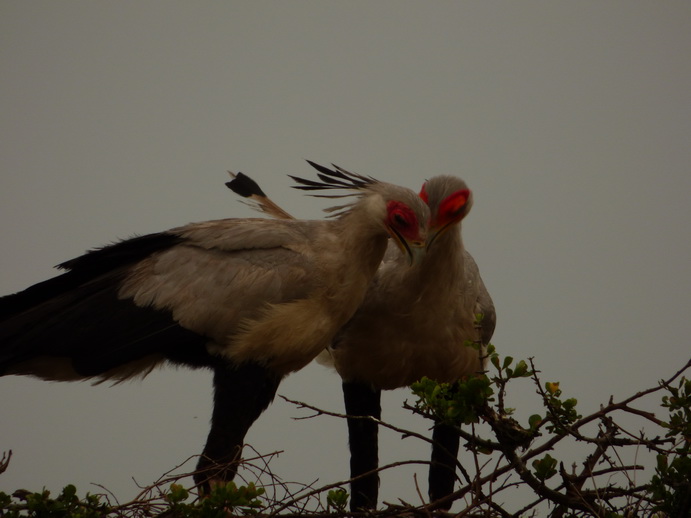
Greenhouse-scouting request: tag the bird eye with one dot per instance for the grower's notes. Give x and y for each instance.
(401, 216)
(401, 220)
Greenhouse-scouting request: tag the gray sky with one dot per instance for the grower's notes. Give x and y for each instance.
(571, 122)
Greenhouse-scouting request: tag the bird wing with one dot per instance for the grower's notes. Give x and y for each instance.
(167, 294)
(225, 271)
(483, 304)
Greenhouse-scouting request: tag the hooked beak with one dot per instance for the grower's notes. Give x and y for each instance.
(414, 249)
(416, 252)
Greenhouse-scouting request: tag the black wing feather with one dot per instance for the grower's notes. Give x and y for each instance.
(85, 268)
(78, 315)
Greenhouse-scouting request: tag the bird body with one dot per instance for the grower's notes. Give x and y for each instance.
(426, 327)
(253, 299)
(432, 320)
(286, 272)
(278, 268)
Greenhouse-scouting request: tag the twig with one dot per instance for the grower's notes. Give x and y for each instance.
(327, 487)
(5, 461)
(419, 494)
(318, 411)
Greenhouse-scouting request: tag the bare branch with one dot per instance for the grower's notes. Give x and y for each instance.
(5, 460)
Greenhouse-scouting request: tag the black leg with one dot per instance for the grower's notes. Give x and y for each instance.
(442, 471)
(363, 400)
(241, 394)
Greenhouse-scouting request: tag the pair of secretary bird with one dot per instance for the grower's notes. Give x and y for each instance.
(414, 322)
(255, 299)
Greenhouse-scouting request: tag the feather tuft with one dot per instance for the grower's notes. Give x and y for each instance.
(244, 186)
(336, 178)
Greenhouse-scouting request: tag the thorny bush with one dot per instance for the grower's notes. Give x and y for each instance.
(510, 454)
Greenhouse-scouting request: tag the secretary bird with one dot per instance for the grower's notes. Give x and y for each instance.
(414, 322)
(252, 299)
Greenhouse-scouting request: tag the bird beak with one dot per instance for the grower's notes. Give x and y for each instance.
(415, 249)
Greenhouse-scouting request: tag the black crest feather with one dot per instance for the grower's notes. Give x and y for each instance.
(336, 178)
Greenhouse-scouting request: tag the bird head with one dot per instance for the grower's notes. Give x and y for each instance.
(449, 200)
(406, 223)
(404, 214)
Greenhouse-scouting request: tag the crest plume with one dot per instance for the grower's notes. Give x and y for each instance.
(336, 178)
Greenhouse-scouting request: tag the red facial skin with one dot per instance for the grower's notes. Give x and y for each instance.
(451, 209)
(423, 194)
(402, 218)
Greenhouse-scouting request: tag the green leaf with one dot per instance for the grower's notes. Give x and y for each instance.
(337, 499)
(521, 370)
(177, 494)
(69, 492)
(545, 468)
(534, 421)
(662, 463)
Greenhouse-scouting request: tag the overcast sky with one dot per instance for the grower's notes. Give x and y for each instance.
(571, 122)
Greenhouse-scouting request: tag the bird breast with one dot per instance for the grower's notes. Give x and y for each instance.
(406, 348)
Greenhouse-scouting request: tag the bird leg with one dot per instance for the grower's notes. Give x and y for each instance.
(442, 470)
(241, 394)
(363, 400)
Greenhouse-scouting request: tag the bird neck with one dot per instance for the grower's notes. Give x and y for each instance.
(444, 262)
(361, 247)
